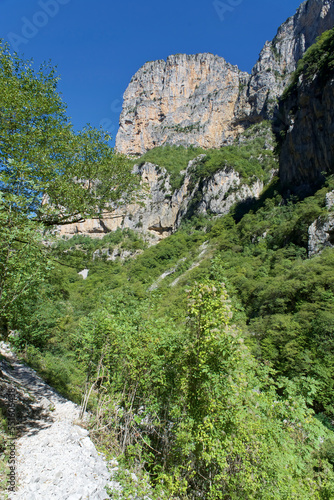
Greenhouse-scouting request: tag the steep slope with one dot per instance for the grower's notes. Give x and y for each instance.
(187, 99)
(160, 212)
(287, 298)
(202, 100)
(308, 150)
(307, 125)
(278, 58)
(321, 232)
(209, 183)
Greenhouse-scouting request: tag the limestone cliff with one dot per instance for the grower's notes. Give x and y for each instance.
(189, 99)
(308, 147)
(160, 211)
(203, 100)
(321, 232)
(278, 58)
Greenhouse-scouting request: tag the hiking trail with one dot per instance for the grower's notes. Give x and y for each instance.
(55, 457)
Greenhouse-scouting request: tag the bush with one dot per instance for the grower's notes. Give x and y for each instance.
(318, 61)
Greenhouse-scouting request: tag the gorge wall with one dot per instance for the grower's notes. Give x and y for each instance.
(307, 152)
(279, 58)
(160, 210)
(189, 99)
(205, 101)
(202, 100)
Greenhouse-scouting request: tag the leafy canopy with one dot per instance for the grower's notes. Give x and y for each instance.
(47, 171)
(49, 175)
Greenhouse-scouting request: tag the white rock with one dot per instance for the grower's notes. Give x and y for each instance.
(84, 273)
(56, 460)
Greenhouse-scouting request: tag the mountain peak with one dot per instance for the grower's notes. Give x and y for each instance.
(202, 100)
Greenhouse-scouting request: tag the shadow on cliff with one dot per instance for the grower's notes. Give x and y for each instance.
(241, 208)
(271, 191)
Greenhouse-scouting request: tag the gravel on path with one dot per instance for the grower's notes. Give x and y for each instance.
(56, 459)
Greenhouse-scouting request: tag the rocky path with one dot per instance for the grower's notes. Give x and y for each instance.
(55, 457)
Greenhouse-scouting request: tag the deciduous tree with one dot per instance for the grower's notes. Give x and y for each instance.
(49, 174)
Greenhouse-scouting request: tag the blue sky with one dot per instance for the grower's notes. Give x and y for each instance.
(98, 45)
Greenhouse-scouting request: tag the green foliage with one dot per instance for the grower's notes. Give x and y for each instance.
(201, 394)
(175, 387)
(55, 174)
(287, 297)
(128, 352)
(250, 158)
(284, 297)
(48, 175)
(189, 404)
(80, 250)
(173, 158)
(23, 265)
(59, 369)
(236, 438)
(318, 61)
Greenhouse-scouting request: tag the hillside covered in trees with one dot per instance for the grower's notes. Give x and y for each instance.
(207, 359)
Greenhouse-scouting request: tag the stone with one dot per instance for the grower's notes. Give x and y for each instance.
(321, 232)
(203, 100)
(330, 200)
(279, 58)
(307, 151)
(69, 469)
(134, 477)
(87, 443)
(187, 99)
(161, 210)
(45, 403)
(84, 273)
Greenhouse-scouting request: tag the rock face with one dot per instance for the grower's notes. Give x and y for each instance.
(278, 58)
(203, 100)
(189, 99)
(308, 148)
(321, 232)
(160, 211)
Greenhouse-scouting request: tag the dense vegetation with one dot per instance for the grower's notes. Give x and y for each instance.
(251, 156)
(138, 346)
(208, 359)
(42, 166)
(48, 175)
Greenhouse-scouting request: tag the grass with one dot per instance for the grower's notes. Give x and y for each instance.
(58, 370)
(173, 158)
(318, 61)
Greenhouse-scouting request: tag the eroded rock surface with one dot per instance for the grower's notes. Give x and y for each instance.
(161, 210)
(188, 99)
(205, 101)
(321, 232)
(279, 58)
(308, 148)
